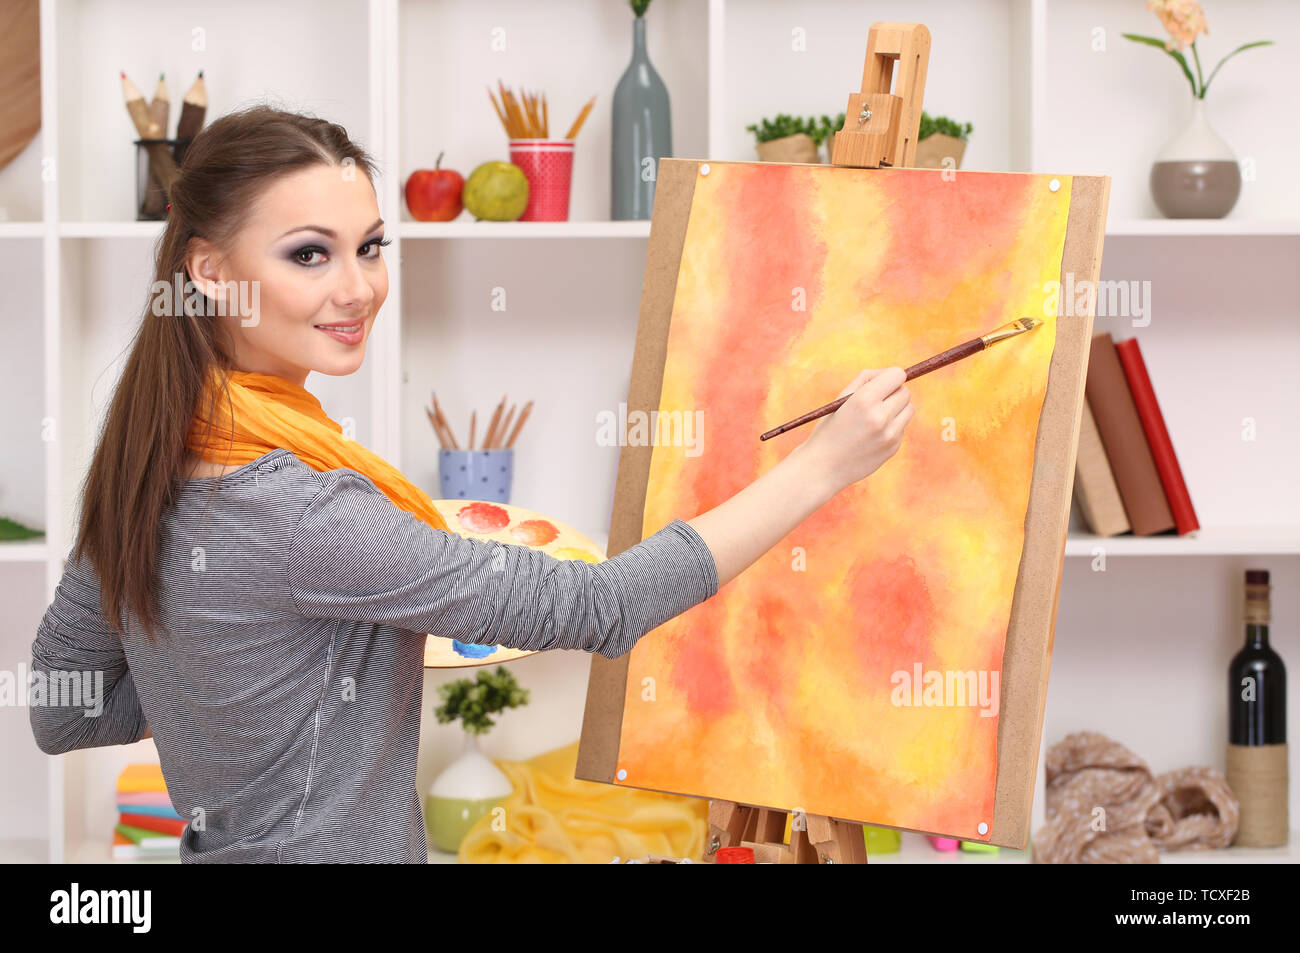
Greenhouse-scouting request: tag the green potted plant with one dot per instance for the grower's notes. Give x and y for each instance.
(785, 138)
(940, 139)
(471, 785)
(13, 530)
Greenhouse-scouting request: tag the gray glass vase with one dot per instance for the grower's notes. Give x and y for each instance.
(642, 133)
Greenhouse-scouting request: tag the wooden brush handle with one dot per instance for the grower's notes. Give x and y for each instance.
(916, 370)
(947, 357)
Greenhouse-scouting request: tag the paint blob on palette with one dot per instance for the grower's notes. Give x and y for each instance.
(502, 523)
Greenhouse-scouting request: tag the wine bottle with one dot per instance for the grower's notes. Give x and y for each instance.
(1256, 675)
(1257, 749)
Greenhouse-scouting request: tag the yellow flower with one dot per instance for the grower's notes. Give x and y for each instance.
(1183, 20)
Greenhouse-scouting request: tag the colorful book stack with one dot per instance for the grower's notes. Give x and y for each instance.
(148, 826)
(1127, 476)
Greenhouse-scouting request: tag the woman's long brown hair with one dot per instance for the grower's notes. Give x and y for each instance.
(141, 448)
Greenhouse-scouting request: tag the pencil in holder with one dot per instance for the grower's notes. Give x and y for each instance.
(548, 166)
(150, 196)
(476, 474)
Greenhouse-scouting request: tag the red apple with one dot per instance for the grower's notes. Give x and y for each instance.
(433, 195)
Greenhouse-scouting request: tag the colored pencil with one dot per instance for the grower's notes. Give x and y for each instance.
(528, 407)
(582, 117)
(147, 127)
(194, 107)
(527, 116)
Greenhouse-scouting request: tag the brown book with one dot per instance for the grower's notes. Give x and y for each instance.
(1094, 482)
(1125, 441)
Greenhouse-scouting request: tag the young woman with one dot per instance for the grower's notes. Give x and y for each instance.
(255, 589)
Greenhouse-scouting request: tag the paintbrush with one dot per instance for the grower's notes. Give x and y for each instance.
(974, 346)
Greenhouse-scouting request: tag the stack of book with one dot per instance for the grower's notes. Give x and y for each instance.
(1127, 477)
(148, 827)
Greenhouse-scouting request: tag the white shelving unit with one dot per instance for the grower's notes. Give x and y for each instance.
(1147, 636)
(915, 849)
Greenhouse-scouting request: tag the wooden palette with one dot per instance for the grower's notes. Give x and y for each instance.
(503, 523)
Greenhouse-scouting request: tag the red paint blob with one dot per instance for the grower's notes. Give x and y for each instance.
(534, 532)
(482, 517)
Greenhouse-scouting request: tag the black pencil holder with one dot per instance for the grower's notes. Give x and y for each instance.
(150, 196)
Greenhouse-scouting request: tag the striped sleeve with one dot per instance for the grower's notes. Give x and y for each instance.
(356, 556)
(81, 694)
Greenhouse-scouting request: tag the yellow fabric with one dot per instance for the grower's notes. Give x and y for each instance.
(554, 818)
(270, 412)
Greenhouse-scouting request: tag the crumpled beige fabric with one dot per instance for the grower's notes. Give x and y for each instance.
(1104, 807)
(1197, 810)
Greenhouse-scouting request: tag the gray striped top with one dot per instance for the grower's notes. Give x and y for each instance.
(285, 700)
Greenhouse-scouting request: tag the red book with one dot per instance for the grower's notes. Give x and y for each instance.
(175, 826)
(1162, 448)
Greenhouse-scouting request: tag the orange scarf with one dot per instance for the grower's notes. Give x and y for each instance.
(270, 412)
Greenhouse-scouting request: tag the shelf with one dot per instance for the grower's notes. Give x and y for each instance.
(14, 851)
(1215, 541)
(22, 229)
(471, 228)
(468, 228)
(917, 850)
(476, 229)
(101, 852)
(1290, 854)
(1200, 227)
(24, 551)
(111, 229)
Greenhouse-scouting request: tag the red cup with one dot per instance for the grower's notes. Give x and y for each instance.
(734, 855)
(548, 167)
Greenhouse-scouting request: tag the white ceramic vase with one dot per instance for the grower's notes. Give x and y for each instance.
(1196, 175)
(467, 789)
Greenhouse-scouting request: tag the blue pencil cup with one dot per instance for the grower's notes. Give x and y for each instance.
(476, 474)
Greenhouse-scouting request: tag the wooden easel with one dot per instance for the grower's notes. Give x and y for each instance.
(818, 840)
(879, 131)
(880, 127)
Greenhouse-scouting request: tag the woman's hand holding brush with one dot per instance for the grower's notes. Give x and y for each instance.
(866, 430)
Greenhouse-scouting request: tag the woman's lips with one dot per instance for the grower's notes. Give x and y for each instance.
(351, 334)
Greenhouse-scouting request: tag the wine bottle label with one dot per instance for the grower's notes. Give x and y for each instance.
(1257, 604)
(1257, 775)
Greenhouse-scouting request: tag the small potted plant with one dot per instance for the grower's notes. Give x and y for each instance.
(471, 785)
(786, 138)
(939, 139)
(13, 530)
(1196, 174)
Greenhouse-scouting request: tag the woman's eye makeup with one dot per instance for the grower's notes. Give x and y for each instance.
(306, 251)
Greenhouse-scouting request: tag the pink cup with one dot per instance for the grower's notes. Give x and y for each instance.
(548, 167)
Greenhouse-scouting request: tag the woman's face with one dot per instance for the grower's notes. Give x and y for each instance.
(308, 257)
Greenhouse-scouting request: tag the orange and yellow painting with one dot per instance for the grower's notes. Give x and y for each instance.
(854, 669)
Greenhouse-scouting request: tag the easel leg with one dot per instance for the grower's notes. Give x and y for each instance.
(821, 840)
